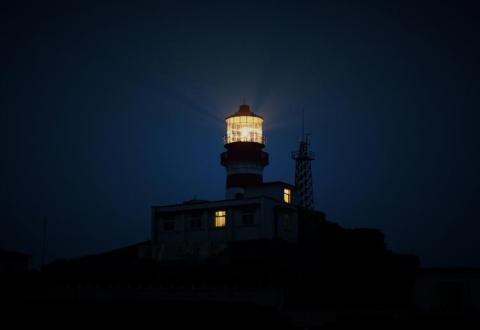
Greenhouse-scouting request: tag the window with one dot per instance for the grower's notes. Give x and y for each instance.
(196, 223)
(287, 195)
(287, 225)
(239, 196)
(244, 129)
(247, 217)
(168, 225)
(195, 219)
(220, 219)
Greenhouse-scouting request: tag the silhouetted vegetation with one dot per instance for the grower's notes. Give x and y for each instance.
(329, 267)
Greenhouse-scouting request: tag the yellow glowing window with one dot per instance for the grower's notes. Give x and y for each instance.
(244, 129)
(287, 195)
(220, 219)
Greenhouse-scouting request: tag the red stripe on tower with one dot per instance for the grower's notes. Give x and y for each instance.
(244, 159)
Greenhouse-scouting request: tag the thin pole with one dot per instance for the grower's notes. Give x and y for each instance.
(44, 240)
(303, 123)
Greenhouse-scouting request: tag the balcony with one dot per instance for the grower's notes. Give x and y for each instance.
(261, 139)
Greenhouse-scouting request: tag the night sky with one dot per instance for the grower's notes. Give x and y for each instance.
(107, 109)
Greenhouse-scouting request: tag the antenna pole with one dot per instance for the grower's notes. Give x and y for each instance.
(44, 240)
(303, 123)
(303, 170)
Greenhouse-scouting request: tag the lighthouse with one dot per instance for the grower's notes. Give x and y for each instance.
(244, 158)
(251, 210)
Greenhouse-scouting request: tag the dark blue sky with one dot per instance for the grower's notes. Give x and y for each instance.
(107, 109)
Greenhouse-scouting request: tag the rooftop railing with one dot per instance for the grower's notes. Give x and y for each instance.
(233, 138)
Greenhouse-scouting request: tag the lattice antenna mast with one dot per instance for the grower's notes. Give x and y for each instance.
(303, 171)
(303, 123)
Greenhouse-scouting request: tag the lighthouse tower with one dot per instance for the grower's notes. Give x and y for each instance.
(244, 159)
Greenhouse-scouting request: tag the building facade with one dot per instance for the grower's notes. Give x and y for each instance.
(198, 229)
(253, 209)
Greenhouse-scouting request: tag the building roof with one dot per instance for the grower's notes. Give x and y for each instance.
(273, 183)
(201, 203)
(195, 201)
(218, 203)
(188, 206)
(244, 110)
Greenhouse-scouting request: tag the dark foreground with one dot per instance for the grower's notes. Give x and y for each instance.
(332, 278)
(170, 315)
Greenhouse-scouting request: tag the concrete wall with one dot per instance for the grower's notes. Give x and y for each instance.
(272, 190)
(185, 242)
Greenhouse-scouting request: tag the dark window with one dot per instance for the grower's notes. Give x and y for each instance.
(196, 223)
(247, 217)
(162, 216)
(287, 221)
(168, 225)
(195, 219)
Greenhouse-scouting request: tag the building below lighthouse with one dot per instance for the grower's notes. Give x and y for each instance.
(252, 209)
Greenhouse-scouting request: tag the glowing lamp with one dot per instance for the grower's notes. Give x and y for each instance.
(244, 126)
(244, 158)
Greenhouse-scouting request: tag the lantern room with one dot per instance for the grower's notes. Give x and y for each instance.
(244, 126)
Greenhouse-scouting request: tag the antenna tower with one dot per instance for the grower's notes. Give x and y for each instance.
(303, 171)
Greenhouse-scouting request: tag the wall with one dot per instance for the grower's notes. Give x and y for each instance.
(185, 242)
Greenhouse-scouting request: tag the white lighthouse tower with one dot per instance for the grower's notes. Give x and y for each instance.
(244, 159)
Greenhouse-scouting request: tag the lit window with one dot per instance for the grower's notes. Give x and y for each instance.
(220, 219)
(287, 195)
(244, 129)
